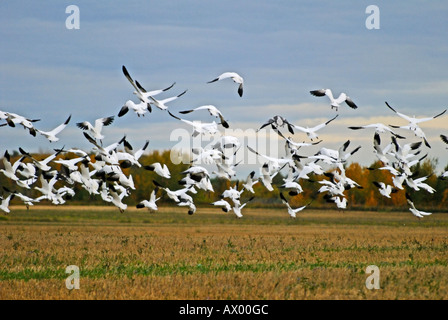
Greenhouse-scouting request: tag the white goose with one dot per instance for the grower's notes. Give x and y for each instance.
(4, 205)
(199, 127)
(130, 155)
(42, 164)
(176, 195)
(418, 213)
(10, 170)
(151, 203)
(226, 206)
(51, 135)
(161, 170)
(95, 131)
(335, 103)
(237, 208)
(235, 77)
(250, 182)
(384, 189)
(187, 203)
(117, 199)
(379, 128)
(292, 212)
(14, 118)
(312, 132)
(213, 112)
(140, 108)
(413, 123)
(161, 104)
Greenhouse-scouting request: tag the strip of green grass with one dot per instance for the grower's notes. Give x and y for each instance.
(129, 271)
(207, 217)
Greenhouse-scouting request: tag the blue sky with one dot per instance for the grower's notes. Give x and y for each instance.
(283, 49)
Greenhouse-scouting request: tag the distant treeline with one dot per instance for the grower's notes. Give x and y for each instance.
(365, 198)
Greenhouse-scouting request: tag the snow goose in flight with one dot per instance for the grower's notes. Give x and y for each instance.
(444, 138)
(95, 131)
(198, 171)
(342, 178)
(226, 206)
(188, 203)
(198, 126)
(290, 182)
(47, 187)
(206, 156)
(197, 176)
(312, 132)
(14, 118)
(139, 108)
(107, 154)
(161, 104)
(226, 142)
(266, 176)
(413, 123)
(332, 187)
(381, 152)
(84, 176)
(384, 189)
(4, 206)
(42, 164)
(250, 182)
(294, 146)
(379, 128)
(398, 180)
(418, 213)
(235, 77)
(305, 169)
(175, 195)
(226, 170)
(137, 91)
(335, 103)
(151, 203)
(340, 201)
(152, 93)
(10, 170)
(27, 201)
(402, 153)
(70, 163)
(275, 163)
(117, 199)
(335, 156)
(51, 135)
(276, 122)
(161, 170)
(292, 212)
(213, 112)
(141, 93)
(418, 183)
(406, 166)
(237, 208)
(26, 170)
(131, 156)
(233, 194)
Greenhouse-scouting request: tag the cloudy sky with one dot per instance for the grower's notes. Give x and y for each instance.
(283, 49)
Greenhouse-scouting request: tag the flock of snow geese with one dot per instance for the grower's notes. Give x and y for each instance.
(102, 174)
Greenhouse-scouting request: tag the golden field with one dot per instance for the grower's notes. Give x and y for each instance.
(212, 255)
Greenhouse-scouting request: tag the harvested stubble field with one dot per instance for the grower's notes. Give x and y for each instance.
(213, 255)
